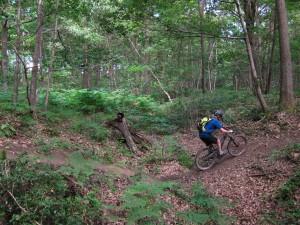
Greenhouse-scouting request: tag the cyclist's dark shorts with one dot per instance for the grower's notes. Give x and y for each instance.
(209, 139)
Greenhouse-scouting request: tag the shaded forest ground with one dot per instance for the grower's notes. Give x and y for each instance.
(247, 182)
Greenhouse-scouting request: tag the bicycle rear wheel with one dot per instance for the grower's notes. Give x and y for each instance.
(205, 159)
(237, 145)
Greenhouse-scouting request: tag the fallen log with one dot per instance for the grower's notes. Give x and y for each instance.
(131, 137)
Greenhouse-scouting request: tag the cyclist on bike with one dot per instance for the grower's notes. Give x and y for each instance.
(214, 124)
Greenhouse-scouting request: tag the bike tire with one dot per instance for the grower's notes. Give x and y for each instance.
(237, 145)
(204, 159)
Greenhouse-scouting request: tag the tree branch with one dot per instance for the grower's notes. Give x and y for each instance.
(198, 34)
(151, 71)
(23, 209)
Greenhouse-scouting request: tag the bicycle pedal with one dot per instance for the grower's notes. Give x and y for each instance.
(221, 156)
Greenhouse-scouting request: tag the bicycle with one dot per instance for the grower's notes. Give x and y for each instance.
(207, 157)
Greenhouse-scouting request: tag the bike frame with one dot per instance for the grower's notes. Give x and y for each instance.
(223, 139)
(204, 162)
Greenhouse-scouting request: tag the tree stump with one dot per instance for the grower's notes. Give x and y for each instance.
(132, 138)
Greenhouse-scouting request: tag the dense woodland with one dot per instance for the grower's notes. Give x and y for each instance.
(69, 66)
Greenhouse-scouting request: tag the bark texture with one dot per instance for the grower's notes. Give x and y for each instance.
(4, 61)
(37, 56)
(286, 75)
(257, 86)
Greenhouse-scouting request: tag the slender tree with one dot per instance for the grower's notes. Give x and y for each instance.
(36, 55)
(4, 61)
(202, 4)
(257, 87)
(52, 55)
(17, 46)
(287, 100)
(272, 30)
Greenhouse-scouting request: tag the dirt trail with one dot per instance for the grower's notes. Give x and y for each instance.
(18, 145)
(245, 181)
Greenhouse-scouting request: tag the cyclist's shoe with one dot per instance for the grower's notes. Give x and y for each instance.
(210, 150)
(221, 154)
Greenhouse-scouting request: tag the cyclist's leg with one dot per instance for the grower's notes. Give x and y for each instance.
(221, 152)
(209, 140)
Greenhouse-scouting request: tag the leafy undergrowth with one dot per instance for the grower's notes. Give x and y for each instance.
(35, 193)
(287, 198)
(74, 125)
(143, 112)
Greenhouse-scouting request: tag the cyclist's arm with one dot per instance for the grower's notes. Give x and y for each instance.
(225, 130)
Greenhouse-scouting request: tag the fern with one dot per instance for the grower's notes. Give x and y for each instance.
(286, 210)
(6, 130)
(45, 194)
(142, 202)
(205, 209)
(79, 167)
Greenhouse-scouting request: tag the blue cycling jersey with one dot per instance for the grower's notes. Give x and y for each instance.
(211, 127)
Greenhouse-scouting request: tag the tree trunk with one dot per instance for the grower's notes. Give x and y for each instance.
(250, 80)
(236, 82)
(271, 55)
(120, 123)
(98, 76)
(17, 46)
(86, 73)
(52, 59)
(4, 40)
(209, 64)
(202, 4)
(251, 18)
(287, 100)
(151, 72)
(36, 56)
(257, 87)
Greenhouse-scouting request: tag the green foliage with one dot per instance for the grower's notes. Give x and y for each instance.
(175, 149)
(27, 121)
(135, 68)
(123, 149)
(108, 155)
(7, 106)
(185, 159)
(44, 195)
(143, 204)
(142, 111)
(161, 152)
(57, 114)
(288, 153)
(55, 143)
(79, 167)
(2, 155)
(287, 210)
(7, 130)
(169, 149)
(186, 110)
(253, 114)
(90, 129)
(285, 193)
(158, 124)
(205, 210)
(96, 101)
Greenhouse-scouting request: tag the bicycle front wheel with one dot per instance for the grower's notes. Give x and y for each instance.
(237, 145)
(205, 159)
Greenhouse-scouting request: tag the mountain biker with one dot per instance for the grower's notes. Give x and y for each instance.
(214, 124)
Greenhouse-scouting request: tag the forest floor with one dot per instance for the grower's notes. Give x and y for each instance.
(247, 182)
